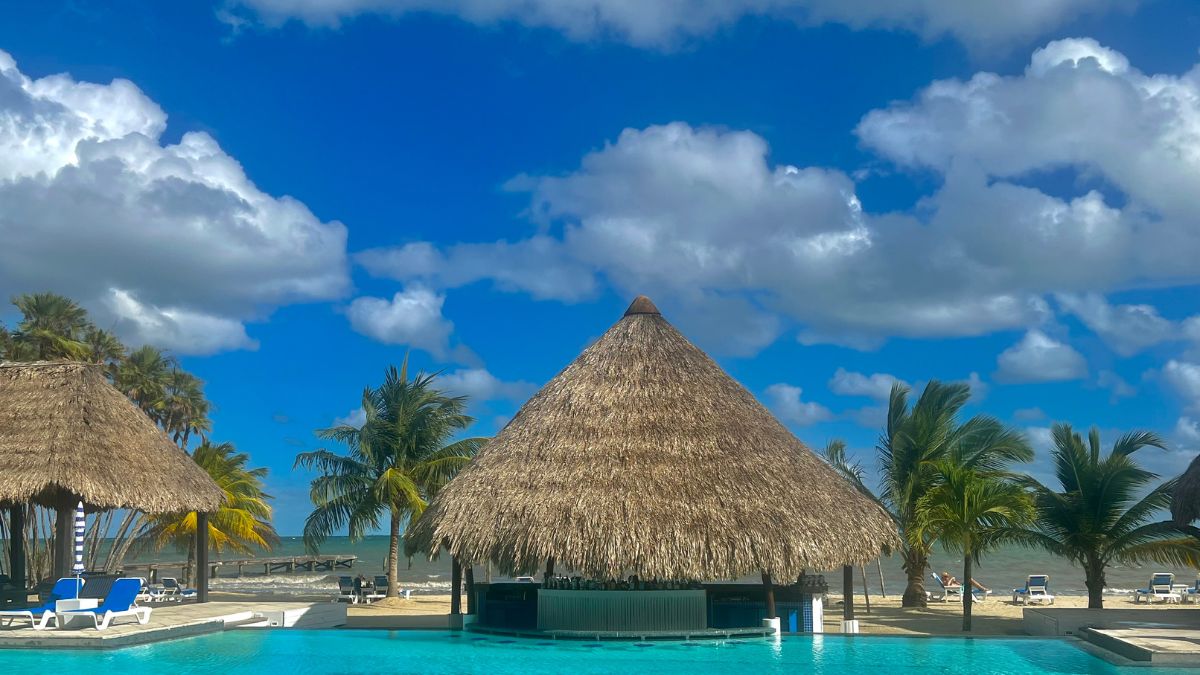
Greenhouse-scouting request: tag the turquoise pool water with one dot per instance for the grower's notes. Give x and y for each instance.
(276, 652)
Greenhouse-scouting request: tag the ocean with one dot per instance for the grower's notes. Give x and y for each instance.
(1000, 571)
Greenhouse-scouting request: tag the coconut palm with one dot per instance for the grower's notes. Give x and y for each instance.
(52, 327)
(971, 512)
(1101, 514)
(914, 442)
(183, 410)
(143, 377)
(242, 524)
(399, 456)
(104, 348)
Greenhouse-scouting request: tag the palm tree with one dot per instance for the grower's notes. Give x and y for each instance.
(52, 327)
(971, 512)
(1097, 518)
(242, 523)
(184, 410)
(104, 348)
(399, 456)
(143, 377)
(914, 442)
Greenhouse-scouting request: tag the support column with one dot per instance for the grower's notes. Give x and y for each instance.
(202, 557)
(16, 545)
(770, 588)
(849, 623)
(64, 534)
(549, 570)
(455, 586)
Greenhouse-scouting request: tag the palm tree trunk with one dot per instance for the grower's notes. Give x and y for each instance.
(879, 567)
(866, 593)
(968, 598)
(915, 564)
(393, 562)
(1094, 580)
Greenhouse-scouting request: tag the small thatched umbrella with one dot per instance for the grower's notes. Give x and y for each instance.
(67, 435)
(1185, 505)
(644, 457)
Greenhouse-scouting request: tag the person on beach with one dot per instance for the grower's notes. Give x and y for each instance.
(949, 580)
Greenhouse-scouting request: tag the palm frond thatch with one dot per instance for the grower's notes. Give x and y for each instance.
(1185, 504)
(644, 457)
(64, 428)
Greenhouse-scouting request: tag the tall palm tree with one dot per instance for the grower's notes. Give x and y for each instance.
(52, 327)
(184, 409)
(1096, 517)
(971, 512)
(395, 460)
(143, 377)
(241, 524)
(914, 442)
(104, 348)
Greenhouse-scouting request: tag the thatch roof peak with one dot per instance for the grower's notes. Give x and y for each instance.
(65, 430)
(644, 457)
(642, 305)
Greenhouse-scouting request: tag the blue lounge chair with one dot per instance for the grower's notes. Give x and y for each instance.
(951, 592)
(1160, 587)
(1037, 589)
(119, 602)
(39, 617)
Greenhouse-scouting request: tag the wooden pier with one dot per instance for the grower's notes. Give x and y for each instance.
(304, 563)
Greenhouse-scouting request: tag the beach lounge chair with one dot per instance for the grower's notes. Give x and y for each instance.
(381, 588)
(120, 601)
(951, 592)
(1037, 589)
(173, 590)
(39, 617)
(1159, 587)
(346, 592)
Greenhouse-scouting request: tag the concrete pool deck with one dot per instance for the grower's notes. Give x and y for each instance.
(1140, 635)
(170, 622)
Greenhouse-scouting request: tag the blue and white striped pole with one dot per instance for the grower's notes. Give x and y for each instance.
(80, 527)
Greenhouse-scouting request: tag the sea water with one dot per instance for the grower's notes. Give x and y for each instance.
(314, 652)
(1001, 571)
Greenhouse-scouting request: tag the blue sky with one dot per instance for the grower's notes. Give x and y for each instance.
(289, 194)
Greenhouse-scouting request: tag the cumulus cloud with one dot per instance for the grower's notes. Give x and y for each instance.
(1184, 378)
(981, 23)
(1128, 329)
(784, 400)
(876, 385)
(477, 384)
(1116, 385)
(1187, 433)
(354, 418)
(979, 389)
(412, 317)
(1040, 358)
(173, 242)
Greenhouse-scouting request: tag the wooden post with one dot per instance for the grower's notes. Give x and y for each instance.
(455, 586)
(16, 546)
(770, 588)
(469, 582)
(64, 534)
(848, 592)
(202, 557)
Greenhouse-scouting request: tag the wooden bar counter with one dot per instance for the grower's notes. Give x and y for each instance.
(621, 610)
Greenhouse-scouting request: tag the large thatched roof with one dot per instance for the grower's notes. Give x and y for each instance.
(1185, 505)
(644, 457)
(64, 427)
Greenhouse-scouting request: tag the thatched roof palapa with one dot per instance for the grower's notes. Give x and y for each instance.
(644, 457)
(65, 429)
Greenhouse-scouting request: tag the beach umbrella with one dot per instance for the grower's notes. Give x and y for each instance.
(80, 526)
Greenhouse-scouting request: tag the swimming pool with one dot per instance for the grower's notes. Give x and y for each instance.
(434, 652)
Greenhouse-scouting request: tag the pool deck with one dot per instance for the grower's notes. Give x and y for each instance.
(1163, 638)
(174, 621)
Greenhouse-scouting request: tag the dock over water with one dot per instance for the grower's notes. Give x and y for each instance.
(303, 563)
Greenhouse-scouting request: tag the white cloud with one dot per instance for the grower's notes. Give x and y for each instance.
(1187, 433)
(1128, 329)
(1184, 378)
(784, 400)
(979, 388)
(178, 330)
(1117, 386)
(1029, 414)
(1040, 358)
(980, 23)
(413, 317)
(354, 418)
(876, 385)
(95, 206)
(477, 384)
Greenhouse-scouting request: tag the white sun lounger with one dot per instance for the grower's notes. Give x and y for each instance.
(1159, 587)
(120, 602)
(1037, 589)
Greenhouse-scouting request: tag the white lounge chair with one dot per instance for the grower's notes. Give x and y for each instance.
(951, 592)
(1159, 587)
(1037, 589)
(120, 602)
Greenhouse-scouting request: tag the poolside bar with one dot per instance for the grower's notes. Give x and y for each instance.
(664, 495)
